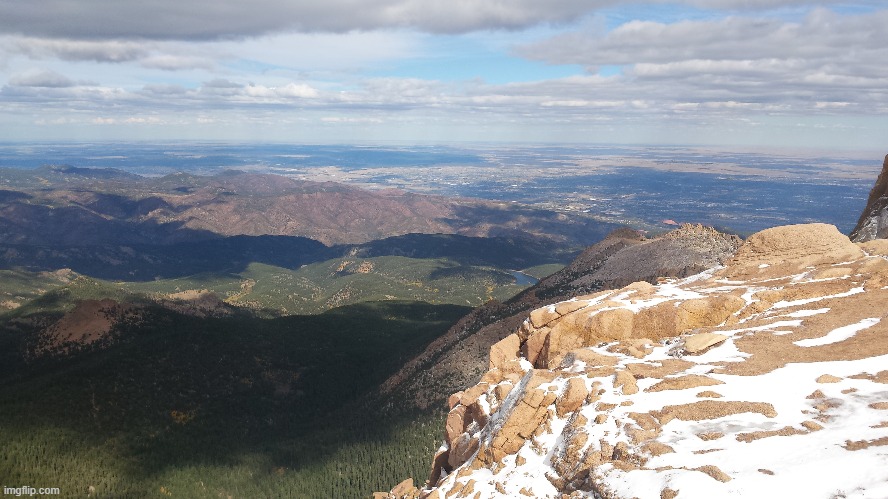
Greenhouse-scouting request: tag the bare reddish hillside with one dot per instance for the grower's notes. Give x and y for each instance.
(85, 211)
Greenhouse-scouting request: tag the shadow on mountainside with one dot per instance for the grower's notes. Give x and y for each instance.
(235, 404)
(142, 262)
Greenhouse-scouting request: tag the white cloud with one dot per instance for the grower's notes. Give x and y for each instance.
(219, 19)
(40, 78)
(75, 50)
(376, 66)
(822, 34)
(169, 62)
(209, 19)
(289, 91)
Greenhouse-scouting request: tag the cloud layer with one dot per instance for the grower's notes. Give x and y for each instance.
(804, 71)
(207, 19)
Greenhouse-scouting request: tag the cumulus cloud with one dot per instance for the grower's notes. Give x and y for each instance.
(822, 34)
(75, 50)
(213, 19)
(744, 68)
(41, 78)
(288, 91)
(741, 62)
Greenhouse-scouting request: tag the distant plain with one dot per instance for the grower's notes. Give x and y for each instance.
(640, 186)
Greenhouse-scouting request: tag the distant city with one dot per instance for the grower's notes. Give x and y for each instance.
(649, 188)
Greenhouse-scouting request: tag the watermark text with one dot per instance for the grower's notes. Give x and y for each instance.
(27, 490)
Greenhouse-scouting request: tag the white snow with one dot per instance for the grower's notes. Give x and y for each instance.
(808, 313)
(817, 464)
(839, 334)
(794, 303)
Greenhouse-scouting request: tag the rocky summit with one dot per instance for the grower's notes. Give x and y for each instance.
(763, 377)
(873, 223)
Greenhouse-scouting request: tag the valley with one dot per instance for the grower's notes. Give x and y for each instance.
(208, 320)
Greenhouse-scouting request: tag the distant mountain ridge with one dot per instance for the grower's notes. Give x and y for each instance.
(83, 206)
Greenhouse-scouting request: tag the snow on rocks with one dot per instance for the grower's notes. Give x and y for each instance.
(724, 384)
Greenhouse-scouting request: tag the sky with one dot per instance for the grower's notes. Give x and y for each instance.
(744, 73)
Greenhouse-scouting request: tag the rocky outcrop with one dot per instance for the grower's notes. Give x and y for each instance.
(873, 223)
(623, 257)
(707, 386)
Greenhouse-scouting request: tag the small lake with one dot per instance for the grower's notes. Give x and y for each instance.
(522, 279)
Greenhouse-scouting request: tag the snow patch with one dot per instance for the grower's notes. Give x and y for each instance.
(839, 334)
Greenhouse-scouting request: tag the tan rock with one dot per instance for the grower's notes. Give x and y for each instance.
(471, 395)
(684, 382)
(405, 489)
(467, 489)
(617, 324)
(833, 273)
(461, 450)
(641, 288)
(439, 463)
(701, 341)
(562, 338)
(706, 312)
(659, 321)
(536, 347)
(525, 418)
(493, 376)
(526, 329)
(644, 420)
(456, 423)
(582, 329)
(592, 358)
(572, 398)
(709, 394)
(626, 381)
(542, 316)
(567, 307)
(711, 409)
(875, 247)
(714, 472)
(788, 249)
(502, 390)
(655, 448)
(828, 378)
(812, 426)
(637, 348)
(454, 399)
(503, 350)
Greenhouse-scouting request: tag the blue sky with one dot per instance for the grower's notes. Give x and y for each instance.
(745, 73)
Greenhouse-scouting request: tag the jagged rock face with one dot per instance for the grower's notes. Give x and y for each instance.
(873, 223)
(763, 378)
(623, 257)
